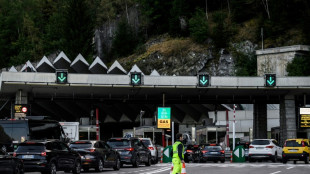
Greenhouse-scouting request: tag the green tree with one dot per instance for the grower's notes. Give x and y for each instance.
(79, 24)
(157, 13)
(299, 66)
(198, 27)
(124, 41)
(178, 11)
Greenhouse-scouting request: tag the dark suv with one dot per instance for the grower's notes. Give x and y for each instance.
(132, 151)
(48, 157)
(96, 154)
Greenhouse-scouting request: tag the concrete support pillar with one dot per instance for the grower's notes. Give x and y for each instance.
(21, 97)
(260, 121)
(287, 118)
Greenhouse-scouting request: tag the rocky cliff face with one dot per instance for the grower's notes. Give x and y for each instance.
(181, 57)
(170, 56)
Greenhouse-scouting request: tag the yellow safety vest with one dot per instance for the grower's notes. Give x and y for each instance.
(175, 150)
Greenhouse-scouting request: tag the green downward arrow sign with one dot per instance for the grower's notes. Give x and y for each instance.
(136, 79)
(270, 81)
(62, 78)
(203, 80)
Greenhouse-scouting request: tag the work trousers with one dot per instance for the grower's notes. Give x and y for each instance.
(177, 165)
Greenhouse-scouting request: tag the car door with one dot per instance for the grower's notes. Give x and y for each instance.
(110, 153)
(143, 151)
(66, 158)
(278, 149)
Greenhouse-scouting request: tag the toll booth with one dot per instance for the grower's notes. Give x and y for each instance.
(149, 132)
(210, 134)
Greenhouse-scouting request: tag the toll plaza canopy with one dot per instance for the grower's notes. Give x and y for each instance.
(114, 91)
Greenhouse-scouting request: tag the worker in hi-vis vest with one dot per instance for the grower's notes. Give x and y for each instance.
(178, 154)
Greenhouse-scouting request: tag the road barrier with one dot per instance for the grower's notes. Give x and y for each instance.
(161, 157)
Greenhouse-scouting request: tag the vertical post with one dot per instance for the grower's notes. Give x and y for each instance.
(262, 34)
(234, 131)
(97, 123)
(172, 133)
(153, 135)
(227, 129)
(163, 130)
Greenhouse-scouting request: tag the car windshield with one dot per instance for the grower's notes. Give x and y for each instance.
(85, 145)
(293, 143)
(30, 148)
(260, 142)
(146, 142)
(118, 142)
(213, 148)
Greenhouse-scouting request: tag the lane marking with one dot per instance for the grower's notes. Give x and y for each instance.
(289, 168)
(275, 172)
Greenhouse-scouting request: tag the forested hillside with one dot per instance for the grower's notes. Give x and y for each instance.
(30, 29)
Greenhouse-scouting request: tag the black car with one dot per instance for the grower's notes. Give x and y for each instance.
(96, 154)
(48, 157)
(192, 153)
(212, 152)
(10, 164)
(132, 151)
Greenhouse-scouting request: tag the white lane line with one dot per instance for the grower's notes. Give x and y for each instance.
(275, 172)
(157, 171)
(289, 168)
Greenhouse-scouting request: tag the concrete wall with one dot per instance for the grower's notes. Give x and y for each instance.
(275, 60)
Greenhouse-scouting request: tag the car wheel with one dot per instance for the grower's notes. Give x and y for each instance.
(307, 159)
(18, 169)
(99, 166)
(77, 168)
(222, 161)
(284, 161)
(51, 169)
(86, 169)
(117, 164)
(295, 161)
(274, 158)
(149, 161)
(136, 163)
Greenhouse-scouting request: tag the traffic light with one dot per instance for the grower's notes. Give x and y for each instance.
(204, 80)
(62, 76)
(136, 78)
(270, 80)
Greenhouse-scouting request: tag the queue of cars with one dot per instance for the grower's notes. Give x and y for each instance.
(258, 150)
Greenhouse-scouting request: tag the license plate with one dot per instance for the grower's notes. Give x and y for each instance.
(27, 156)
(259, 147)
(213, 152)
(293, 150)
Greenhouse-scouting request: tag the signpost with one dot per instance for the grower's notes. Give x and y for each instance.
(61, 76)
(270, 80)
(163, 117)
(304, 115)
(136, 78)
(20, 111)
(203, 80)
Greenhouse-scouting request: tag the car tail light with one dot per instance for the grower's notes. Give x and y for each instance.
(222, 151)
(92, 150)
(204, 151)
(151, 148)
(43, 153)
(14, 154)
(251, 146)
(303, 144)
(270, 147)
(129, 149)
(190, 151)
